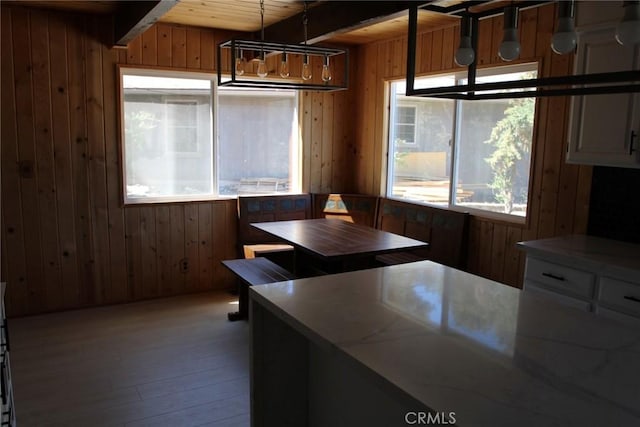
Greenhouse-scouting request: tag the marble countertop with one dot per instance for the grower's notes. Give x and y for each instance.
(460, 343)
(596, 252)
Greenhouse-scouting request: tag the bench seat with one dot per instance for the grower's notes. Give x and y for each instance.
(445, 230)
(254, 243)
(251, 272)
(253, 251)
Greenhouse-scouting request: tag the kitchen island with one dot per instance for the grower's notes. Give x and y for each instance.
(412, 343)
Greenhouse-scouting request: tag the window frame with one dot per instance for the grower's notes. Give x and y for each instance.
(460, 74)
(296, 173)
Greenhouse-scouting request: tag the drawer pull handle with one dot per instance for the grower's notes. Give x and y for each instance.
(631, 149)
(5, 328)
(632, 298)
(554, 276)
(9, 414)
(3, 384)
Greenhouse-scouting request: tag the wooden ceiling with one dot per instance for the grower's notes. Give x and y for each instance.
(244, 15)
(238, 15)
(394, 27)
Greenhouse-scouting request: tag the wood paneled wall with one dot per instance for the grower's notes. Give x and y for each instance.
(559, 196)
(67, 242)
(328, 137)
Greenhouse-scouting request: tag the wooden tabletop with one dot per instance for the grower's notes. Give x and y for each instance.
(334, 239)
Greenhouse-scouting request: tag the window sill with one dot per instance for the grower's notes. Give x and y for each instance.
(177, 200)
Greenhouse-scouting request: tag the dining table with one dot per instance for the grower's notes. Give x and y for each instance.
(325, 245)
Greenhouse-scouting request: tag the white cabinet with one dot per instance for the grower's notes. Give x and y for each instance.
(620, 295)
(604, 129)
(571, 301)
(564, 284)
(588, 273)
(558, 277)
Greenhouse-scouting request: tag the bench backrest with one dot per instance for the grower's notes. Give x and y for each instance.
(445, 230)
(357, 208)
(269, 208)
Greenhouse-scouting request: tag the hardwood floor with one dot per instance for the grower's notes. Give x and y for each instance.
(166, 362)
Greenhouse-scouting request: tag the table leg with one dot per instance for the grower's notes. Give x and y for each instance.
(243, 303)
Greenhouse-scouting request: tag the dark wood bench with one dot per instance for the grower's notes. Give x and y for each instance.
(253, 242)
(356, 208)
(445, 230)
(250, 272)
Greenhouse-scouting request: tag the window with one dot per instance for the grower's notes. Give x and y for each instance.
(258, 141)
(471, 154)
(405, 124)
(184, 139)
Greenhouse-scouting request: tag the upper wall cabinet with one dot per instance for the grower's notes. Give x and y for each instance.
(604, 129)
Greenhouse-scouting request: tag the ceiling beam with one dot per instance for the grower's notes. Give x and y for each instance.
(135, 17)
(329, 18)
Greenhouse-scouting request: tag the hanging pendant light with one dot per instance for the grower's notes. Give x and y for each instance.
(564, 40)
(465, 54)
(240, 76)
(241, 63)
(262, 71)
(306, 67)
(284, 65)
(510, 46)
(326, 71)
(628, 31)
(624, 81)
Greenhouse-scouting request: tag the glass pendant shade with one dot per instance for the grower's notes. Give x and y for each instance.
(262, 67)
(564, 40)
(306, 69)
(510, 46)
(628, 31)
(465, 54)
(240, 64)
(326, 71)
(284, 66)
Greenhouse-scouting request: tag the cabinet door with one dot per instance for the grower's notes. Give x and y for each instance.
(531, 287)
(601, 125)
(616, 315)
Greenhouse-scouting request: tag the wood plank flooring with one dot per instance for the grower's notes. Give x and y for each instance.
(165, 362)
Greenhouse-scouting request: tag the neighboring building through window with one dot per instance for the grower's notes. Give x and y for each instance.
(258, 141)
(471, 154)
(405, 124)
(182, 125)
(170, 150)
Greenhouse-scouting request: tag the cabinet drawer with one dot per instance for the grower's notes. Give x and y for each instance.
(617, 293)
(564, 279)
(534, 289)
(615, 315)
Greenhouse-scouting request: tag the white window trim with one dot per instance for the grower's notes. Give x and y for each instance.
(296, 172)
(151, 72)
